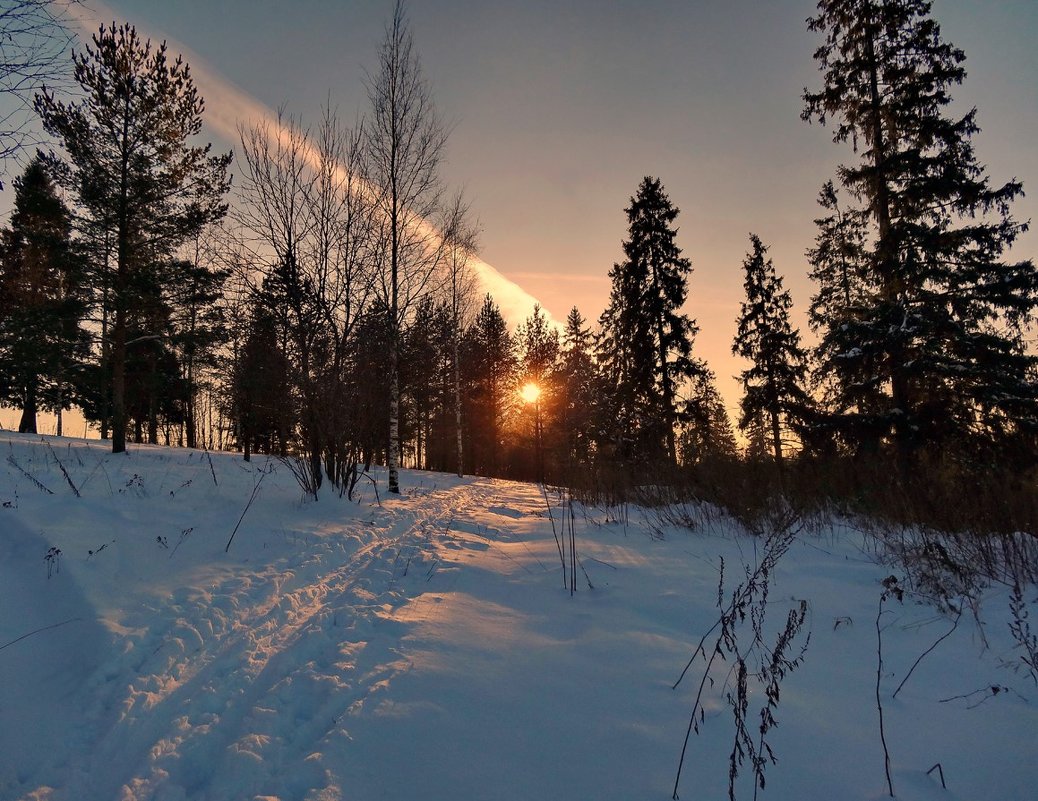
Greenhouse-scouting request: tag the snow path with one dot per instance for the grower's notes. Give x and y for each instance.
(241, 685)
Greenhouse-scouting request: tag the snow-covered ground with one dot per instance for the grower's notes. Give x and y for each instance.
(426, 649)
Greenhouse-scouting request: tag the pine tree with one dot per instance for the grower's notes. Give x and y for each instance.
(198, 326)
(489, 375)
(42, 304)
(645, 341)
(259, 388)
(774, 385)
(132, 168)
(850, 392)
(939, 335)
(707, 430)
(579, 389)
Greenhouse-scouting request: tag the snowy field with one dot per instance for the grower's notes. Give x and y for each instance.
(425, 648)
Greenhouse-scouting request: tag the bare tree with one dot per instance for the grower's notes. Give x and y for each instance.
(460, 236)
(34, 50)
(404, 145)
(310, 215)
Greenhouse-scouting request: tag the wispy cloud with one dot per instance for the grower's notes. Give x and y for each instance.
(228, 106)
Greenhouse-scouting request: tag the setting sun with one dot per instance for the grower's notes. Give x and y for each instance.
(530, 392)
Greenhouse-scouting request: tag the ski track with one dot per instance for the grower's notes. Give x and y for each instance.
(216, 709)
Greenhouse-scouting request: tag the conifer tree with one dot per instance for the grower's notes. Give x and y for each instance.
(850, 394)
(706, 430)
(489, 373)
(645, 341)
(42, 303)
(132, 167)
(939, 334)
(774, 385)
(579, 385)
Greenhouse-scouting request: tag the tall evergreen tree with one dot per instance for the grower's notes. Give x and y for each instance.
(42, 343)
(774, 385)
(850, 393)
(133, 169)
(940, 330)
(579, 389)
(706, 430)
(646, 342)
(489, 374)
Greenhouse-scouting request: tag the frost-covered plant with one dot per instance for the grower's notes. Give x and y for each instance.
(748, 602)
(1020, 628)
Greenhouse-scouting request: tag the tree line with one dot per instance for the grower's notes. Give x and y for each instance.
(331, 313)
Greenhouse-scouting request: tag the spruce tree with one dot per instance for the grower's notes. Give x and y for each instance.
(849, 391)
(707, 430)
(646, 341)
(42, 303)
(142, 185)
(939, 335)
(773, 385)
(579, 388)
(489, 374)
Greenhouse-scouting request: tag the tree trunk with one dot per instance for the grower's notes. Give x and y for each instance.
(394, 417)
(59, 431)
(27, 425)
(457, 401)
(121, 280)
(891, 284)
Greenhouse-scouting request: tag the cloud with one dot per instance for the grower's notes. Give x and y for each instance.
(228, 106)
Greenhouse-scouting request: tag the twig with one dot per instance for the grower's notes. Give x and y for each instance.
(555, 534)
(68, 478)
(37, 631)
(879, 701)
(939, 640)
(940, 772)
(14, 463)
(263, 475)
(213, 469)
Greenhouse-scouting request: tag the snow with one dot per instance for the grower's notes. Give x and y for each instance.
(426, 649)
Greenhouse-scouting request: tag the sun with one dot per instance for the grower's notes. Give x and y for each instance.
(530, 392)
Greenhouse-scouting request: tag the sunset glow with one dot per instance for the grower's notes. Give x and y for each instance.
(530, 392)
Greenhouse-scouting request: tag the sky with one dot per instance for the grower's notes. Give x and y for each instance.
(559, 109)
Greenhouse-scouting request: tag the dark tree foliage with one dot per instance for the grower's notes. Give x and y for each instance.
(579, 387)
(426, 370)
(489, 378)
(141, 184)
(260, 394)
(773, 385)
(42, 342)
(933, 346)
(198, 327)
(707, 430)
(646, 342)
(852, 400)
(155, 391)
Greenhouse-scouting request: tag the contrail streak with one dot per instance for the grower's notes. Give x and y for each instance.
(228, 107)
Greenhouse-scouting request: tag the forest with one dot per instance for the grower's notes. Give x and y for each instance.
(316, 551)
(324, 309)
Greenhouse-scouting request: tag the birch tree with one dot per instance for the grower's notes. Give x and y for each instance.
(405, 140)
